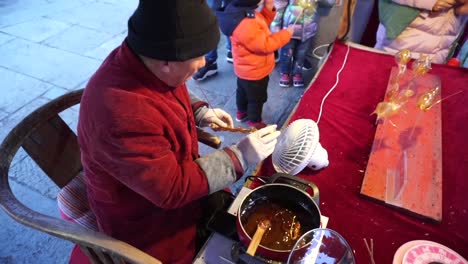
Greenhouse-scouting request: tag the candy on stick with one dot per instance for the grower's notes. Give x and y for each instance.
(306, 5)
(401, 58)
(427, 99)
(233, 129)
(422, 65)
(395, 98)
(392, 107)
(386, 109)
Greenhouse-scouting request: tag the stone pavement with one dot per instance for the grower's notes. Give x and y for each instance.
(51, 47)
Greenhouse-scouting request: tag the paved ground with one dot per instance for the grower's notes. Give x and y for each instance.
(50, 47)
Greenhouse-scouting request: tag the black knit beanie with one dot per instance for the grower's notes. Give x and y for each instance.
(173, 30)
(246, 3)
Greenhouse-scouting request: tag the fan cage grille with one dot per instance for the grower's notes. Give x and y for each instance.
(293, 158)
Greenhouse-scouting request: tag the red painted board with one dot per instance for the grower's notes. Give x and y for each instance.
(405, 165)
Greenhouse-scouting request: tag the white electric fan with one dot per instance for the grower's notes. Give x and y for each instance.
(298, 146)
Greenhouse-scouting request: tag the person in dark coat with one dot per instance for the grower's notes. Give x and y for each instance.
(211, 66)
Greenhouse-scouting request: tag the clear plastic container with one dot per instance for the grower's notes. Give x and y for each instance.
(321, 246)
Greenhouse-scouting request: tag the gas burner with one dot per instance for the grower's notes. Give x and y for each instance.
(239, 256)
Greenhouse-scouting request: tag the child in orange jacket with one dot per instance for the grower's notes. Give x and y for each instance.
(253, 47)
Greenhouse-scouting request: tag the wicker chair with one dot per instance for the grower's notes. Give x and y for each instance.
(54, 147)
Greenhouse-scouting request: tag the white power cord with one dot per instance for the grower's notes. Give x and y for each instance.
(334, 86)
(318, 57)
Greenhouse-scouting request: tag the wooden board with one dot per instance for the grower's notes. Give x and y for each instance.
(405, 164)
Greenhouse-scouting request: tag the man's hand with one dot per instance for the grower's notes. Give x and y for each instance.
(269, 4)
(258, 145)
(215, 116)
(443, 5)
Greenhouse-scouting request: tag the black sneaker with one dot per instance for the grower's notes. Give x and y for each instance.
(210, 69)
(229, 57)
(307, 65)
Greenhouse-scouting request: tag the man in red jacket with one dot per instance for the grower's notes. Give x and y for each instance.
(137, 132)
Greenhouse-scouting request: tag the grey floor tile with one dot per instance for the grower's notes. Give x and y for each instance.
(64, 3)
(281, 101)
(15, 12)
(11, 6)
(214, 100)
(17, 18)
(27, 173)
(54, 93)
(21, 244)
(18, 89)
(104, 17)
(81, 85)
(123, 3)
(20, 155)
(218, 89)
(104, 49)
(12, 120)
(4, 38)
(78, 39)
(70, 116)
(223, 83)
(56, 66)
(37, 29)
(3, 114)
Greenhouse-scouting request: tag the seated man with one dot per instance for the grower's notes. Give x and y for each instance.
(137, 133)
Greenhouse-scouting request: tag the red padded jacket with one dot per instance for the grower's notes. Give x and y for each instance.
(139, 145)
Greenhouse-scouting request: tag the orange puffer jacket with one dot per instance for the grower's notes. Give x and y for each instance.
(253, 45)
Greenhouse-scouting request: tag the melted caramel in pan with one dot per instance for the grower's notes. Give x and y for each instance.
(285, 226)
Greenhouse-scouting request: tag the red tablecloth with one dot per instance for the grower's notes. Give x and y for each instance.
(347, 131)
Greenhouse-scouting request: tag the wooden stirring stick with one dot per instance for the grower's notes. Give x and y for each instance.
(257, 237)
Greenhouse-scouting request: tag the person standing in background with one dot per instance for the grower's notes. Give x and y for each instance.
(253, 47)
(305, 24)
(211, 67)
(421, 26)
